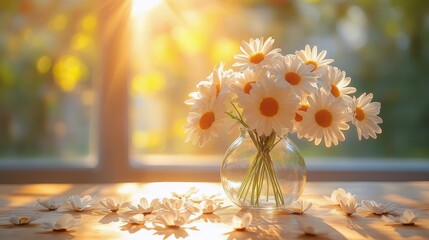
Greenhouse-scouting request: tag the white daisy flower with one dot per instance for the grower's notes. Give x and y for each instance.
(241, 220)
(243, 83)
(348, 204)
(324, 119)
(205, 121)
(144, 207)
(337, 195)
(50, 204)
(299, 207)
(23, 219)
(365, 116)
(216, 86)
(377, 208)
(408, 217)
(310, 57)
(63, 223)
(335, 81)
(172, 219)
(311, 228)
(140, 219)
(114, 205)
(293, 72)
(80, 204)
(256, 53)
(210, 206)
(269, 107)
(186, 195)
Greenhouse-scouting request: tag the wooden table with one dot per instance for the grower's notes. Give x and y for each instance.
(266, 225)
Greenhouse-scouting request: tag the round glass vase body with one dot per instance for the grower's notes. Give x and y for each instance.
(260, 173)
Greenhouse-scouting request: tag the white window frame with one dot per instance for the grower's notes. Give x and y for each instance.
(114, 163)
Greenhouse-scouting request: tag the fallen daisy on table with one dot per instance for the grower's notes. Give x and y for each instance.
(337, 195)
(187, 195)
(144, 206)
(299, 207)
(376, 208)
(80, 204)
(211, 206)
(204, 197)
(172, 218)
(140, 219)
(179, 205)
(50, 204)
(114, 205)
(63, 223)
(22, 219)
(348, 204)
(408, 217)
(241, 221)
(310, 228)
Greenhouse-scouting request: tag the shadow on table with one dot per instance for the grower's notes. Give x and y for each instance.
(59, 235)
(177, 232)
(408, 231)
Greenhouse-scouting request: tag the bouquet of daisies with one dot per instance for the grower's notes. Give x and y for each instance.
(273, 95)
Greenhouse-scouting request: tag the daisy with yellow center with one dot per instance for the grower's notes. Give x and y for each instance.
(302, 107)
(269, 107)
(205, 120)
(365, 116)
(335, 81)
(214, 87)
(316, 61)
(243, 83)
(291, 71)
(325, 118)
(256, 53)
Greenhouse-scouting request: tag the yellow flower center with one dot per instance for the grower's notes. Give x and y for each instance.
(335, 91)
(293, 78)
(257, 58)
(298, 117)
(314, 63)
(323, 118)
(248, 87)
(269, 107)
(207, 120)
(359, 114)
(23, 220)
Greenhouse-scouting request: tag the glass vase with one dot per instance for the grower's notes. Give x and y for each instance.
(263, 172)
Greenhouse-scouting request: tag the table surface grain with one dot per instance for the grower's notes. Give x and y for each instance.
(96, 224)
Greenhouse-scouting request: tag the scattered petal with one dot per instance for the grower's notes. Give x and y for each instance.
(114, 205)
(210, 206)
(187, 194)
(80, 204)
(63, 223)
(408, 217)
(299, 207)
(376, 208)
(140, 219)
(241, 221)
(337, 195)
(348, 204)
(172, 218)
(308, 228)
(50, 204)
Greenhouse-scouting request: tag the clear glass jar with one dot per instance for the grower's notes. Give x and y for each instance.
(263, 172)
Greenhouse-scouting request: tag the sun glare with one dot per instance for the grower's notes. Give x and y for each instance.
(140, 7)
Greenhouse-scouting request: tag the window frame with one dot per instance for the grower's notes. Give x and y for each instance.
(114, 162)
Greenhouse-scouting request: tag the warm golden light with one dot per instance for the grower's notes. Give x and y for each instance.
(140, 7)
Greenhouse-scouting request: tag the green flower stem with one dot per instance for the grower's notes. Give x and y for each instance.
(261, 169)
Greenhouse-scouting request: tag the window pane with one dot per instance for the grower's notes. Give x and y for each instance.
(47, 74)
(380, 44)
